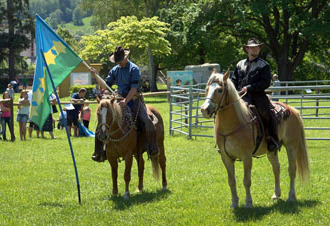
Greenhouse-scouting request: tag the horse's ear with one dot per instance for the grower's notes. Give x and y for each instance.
(226, 75)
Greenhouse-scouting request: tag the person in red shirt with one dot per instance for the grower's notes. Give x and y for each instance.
(6, 116)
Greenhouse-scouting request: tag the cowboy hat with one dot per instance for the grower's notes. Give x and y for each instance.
(253, 42)
(119, 54)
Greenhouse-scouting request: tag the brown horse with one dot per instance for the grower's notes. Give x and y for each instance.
(125, 144)
(235, 136)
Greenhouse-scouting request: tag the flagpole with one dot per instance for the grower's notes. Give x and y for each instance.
(100, 79)
(66, 127)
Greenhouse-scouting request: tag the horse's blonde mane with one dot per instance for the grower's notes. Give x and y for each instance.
(242, 111)
(113, 107)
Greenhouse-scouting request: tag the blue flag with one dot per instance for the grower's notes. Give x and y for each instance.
(61, 61)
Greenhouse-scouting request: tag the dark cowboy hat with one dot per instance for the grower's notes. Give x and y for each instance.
(253, 42)
(119, 54)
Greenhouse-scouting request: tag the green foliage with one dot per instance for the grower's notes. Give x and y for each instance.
(64, 33)
(106, 11)
(15, 30)
(192, 40)
(43, 8)
(89, 88)
(130, 33)
(288, 28)
(55, 18)
(77, 17)
(55, 12)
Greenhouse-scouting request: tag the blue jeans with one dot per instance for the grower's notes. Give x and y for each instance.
(3, 123)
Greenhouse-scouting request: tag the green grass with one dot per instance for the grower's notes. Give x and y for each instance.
(86, 29)
(38, 187)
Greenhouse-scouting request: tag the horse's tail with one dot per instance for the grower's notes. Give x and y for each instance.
(302, 161)
(155, 166)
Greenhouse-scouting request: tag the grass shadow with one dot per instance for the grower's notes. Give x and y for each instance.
(139, 198)
(51, 204)
(284, 207)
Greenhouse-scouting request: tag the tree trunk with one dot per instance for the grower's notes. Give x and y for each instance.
(285, 69)
(11, 34)
(152, 78)
(201, 56)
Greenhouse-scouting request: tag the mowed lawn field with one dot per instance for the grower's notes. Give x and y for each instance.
(38, 186)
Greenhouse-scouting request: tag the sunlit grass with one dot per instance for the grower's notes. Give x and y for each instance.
(38, 187)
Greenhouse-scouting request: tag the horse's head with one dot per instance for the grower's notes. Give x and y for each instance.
(108, 111)
(215, 93)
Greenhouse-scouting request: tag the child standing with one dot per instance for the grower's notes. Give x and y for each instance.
(10, 91)
(5, 117)
(23, 113)
(86, 115)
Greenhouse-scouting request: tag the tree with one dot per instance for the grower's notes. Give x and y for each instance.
(14, 35)
(64, 33)
(65, 7)
(288, 28)
(77, 17)
(106, 11)
(193, 42)
(139, 36)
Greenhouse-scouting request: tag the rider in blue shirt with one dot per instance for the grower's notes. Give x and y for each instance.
(127, 77)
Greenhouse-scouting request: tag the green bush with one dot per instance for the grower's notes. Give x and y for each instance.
(89, 88)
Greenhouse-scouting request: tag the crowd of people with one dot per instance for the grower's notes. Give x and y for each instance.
(72, 114)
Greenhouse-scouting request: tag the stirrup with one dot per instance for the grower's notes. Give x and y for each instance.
(272, 145)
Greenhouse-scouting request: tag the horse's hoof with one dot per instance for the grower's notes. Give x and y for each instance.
(138, 190)
(275, 197)
(164, 188)
(234, 205)
(126, 196)
(292, 197)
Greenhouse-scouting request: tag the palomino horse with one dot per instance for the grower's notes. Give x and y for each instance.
(125, 144)
(235, 136)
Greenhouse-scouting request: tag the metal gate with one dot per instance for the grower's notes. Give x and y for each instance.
(186, 118)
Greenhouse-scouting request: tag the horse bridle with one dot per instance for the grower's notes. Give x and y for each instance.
(219, 106)
(132, 126)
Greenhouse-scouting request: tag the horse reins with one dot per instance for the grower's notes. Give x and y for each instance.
(132, 126)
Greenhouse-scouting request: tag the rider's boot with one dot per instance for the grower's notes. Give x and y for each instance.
(273, 142)
(99, 154)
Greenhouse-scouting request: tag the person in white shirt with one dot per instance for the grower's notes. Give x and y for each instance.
(11, 91)
(23, 113)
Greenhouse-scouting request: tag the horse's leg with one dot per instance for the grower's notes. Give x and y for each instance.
(292, 155)
(127, 175)
(114, 172)
(229, 164)
(162, 163)
(273, 158)
(247, 162)
(140, 162)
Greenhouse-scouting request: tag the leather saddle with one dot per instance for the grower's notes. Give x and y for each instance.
(281, 111)
(131, 119)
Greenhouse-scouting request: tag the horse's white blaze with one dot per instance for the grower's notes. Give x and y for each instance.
(209, 97)
(212, 88)
(104, 118)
